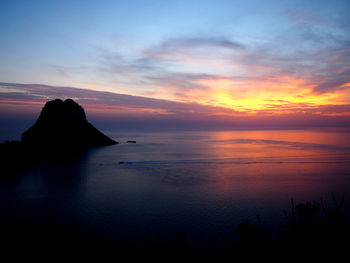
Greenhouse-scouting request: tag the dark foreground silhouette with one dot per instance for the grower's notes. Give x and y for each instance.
(61, 130)
(311, 230)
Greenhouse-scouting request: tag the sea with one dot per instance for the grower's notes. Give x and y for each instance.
(199, 185)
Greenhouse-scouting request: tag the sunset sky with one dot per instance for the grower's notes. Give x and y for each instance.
(234, 62)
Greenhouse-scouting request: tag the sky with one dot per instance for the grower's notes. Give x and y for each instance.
(230, 63)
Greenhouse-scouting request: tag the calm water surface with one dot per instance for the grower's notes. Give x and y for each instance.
(199, 183)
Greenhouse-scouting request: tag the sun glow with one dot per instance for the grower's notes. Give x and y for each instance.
(267, 96)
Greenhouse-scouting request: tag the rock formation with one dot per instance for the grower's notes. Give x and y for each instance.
(63, 124)
(60, 132)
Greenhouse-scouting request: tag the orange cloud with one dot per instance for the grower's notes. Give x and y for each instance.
(275, 95)
(216, 107)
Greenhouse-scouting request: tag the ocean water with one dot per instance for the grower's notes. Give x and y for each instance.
(201, 184)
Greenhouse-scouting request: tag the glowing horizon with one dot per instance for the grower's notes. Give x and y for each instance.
(26, 101)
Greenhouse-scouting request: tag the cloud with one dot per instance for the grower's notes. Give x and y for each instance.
(335, 74)
(17, 93)
(198, 42)
(178, 66)
(223, 72)
(22, 99)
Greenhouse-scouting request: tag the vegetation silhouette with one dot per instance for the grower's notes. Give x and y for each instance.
(61, 131)
(311, 227)
(252, 237)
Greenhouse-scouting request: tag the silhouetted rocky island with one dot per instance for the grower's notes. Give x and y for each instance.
(61, 129)
(64, 124)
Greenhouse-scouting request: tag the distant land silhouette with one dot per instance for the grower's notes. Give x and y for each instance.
(64, 124)
(60, 130)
